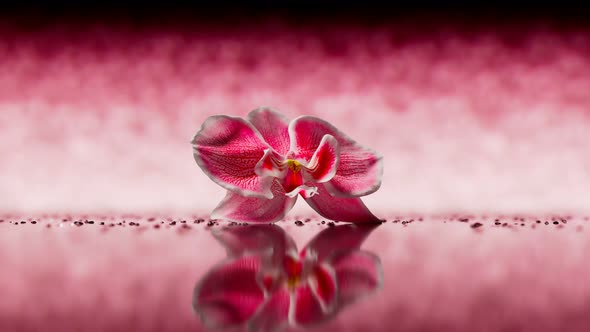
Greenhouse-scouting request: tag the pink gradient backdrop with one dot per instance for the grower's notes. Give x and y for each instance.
(100, 120)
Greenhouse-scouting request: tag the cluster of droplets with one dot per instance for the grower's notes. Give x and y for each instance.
(478, 223)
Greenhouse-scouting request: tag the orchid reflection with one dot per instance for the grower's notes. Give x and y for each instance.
(265, 284)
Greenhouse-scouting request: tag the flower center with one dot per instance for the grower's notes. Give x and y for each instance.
(294, 165)
(293, 282)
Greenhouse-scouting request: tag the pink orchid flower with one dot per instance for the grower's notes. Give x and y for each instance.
(265, 162)
(267, 286)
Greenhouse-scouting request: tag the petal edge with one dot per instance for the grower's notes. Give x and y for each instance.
(360, 169)
(228, 295)
(238, 208)
(273, 127)
(344, 209)
(227, 149)
(359, 274)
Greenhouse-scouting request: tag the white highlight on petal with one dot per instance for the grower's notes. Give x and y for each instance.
(305, 191)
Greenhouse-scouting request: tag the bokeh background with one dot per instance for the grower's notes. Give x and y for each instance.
(482, 115)
(473, 110)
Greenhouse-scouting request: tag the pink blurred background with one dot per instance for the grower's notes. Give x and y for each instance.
(485, 115)
(99, 118)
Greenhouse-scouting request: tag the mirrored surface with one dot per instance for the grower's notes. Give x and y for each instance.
(266, 284)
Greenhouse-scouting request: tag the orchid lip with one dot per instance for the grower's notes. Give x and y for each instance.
(272, 165)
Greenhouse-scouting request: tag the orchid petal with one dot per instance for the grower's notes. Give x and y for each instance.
(324, 162)
(238, 208)
(229, 294)
(358, 273)
(359, 170)
(333, 240)
(323, 286)
(241, 240)
(228, 149)
(273, 127)
(307, 308)
(340, 208)
(273, 314)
